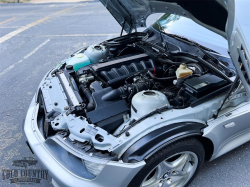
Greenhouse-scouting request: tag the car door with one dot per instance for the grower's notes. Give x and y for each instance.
(232, 127)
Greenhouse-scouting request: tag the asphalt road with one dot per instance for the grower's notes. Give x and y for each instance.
(33, 39)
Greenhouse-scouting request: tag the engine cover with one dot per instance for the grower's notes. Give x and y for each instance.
(147, 101)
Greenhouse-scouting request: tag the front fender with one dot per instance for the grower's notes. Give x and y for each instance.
(153, 141)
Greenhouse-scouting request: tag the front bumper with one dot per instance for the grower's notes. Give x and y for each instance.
(113, 173)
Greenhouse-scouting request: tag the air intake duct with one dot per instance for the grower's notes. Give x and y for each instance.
(127, 91)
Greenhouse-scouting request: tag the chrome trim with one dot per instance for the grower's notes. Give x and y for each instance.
(229, 125)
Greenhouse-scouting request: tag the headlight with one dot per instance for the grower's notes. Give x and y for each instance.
(93, 168)
(79, 166)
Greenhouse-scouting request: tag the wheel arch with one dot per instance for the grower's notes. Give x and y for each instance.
(208, 146)
(152, 142)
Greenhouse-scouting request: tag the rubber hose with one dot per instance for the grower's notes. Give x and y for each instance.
(88, 95)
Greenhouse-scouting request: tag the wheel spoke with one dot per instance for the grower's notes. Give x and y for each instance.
(163, 168)
(179, 173)
(176, 178)
(180, 163)
(151, 184)
(179, 179)
(188, 166)
(154, 180)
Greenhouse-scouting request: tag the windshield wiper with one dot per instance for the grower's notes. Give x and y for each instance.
(161, 29)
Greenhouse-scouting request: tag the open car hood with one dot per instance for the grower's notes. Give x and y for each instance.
(211, 14)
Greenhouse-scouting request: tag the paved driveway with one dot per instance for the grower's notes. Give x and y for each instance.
(33, 39)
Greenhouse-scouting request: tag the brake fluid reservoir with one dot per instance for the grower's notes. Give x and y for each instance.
(183, 71)
(78, 61)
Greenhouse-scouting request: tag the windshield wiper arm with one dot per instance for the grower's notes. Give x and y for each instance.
(164, 44)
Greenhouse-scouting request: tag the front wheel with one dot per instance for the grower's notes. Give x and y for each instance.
(172, 166)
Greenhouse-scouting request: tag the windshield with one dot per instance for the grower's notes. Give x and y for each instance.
(175, 24)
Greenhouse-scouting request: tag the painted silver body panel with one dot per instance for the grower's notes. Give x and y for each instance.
(229, 130)
(199, 114)
(50, 97)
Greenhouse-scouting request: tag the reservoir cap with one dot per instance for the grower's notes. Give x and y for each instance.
(79, 55)
(69, 67)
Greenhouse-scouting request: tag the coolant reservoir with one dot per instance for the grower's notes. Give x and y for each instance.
(96, 53)
(93, 54)
(183, 71)
(146, 101)
(78, 61)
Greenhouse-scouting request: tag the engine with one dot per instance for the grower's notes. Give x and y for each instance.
(122, 79)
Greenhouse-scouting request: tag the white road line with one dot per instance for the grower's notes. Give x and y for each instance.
(25, 57)
(15, 32)
(7, 20)
(10, 27)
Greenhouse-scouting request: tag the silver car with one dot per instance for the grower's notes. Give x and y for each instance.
(147, 108)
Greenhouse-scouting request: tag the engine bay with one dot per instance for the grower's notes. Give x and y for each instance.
(113, 85)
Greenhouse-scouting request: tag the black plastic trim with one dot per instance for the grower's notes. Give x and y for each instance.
(152, 141)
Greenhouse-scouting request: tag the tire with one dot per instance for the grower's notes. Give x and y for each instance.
(179, 160)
